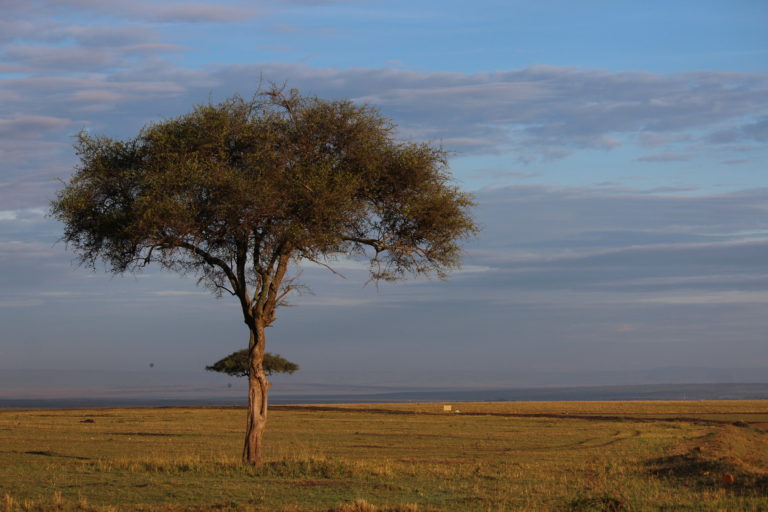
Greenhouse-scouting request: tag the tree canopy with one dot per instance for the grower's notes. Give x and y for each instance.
(250, 185)
(237, 193)
(236, 364)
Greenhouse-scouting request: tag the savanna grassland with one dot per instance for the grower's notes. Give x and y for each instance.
(545, 456)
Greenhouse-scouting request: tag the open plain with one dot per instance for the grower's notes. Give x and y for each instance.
(538, 456)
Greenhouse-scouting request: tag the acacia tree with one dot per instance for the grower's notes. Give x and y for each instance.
(239, 192)
(236, 364)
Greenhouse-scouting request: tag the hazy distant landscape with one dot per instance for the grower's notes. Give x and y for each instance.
(730, 391)
(40, 388)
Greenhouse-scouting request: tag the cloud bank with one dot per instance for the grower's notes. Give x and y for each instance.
(534, 114)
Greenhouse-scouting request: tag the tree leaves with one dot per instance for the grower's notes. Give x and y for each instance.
(232, 193)
(236, 364)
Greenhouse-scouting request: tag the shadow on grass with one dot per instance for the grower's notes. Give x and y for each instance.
(310, 468)
(307, 468)
(54, 454)
(693, 470)
(729, 458)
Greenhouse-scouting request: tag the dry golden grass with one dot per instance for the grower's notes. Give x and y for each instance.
(589, 456)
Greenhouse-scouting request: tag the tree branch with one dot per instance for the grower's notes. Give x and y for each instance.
(222, 287)
(261, 294)
(324, 265)
(211, 260)
(274, 286)
(380, 246)
(241, 258)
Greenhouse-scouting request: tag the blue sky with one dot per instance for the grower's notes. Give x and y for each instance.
(616, 150)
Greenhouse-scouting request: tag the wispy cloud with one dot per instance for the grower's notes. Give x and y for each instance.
(752, 131)
(665, 157)
(30, 126)
(190, 12)
(535, 113)
(727, 297)
(178, 293)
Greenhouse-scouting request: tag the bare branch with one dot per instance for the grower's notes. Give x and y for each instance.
(289, 286)
(148, 257)
(222, 287)
(324, 265)
(278, 98)
(380, 246)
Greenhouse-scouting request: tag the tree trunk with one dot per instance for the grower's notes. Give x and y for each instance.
(257, 398)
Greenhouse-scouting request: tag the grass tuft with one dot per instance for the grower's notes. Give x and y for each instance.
(605, 503)
(361, 505)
